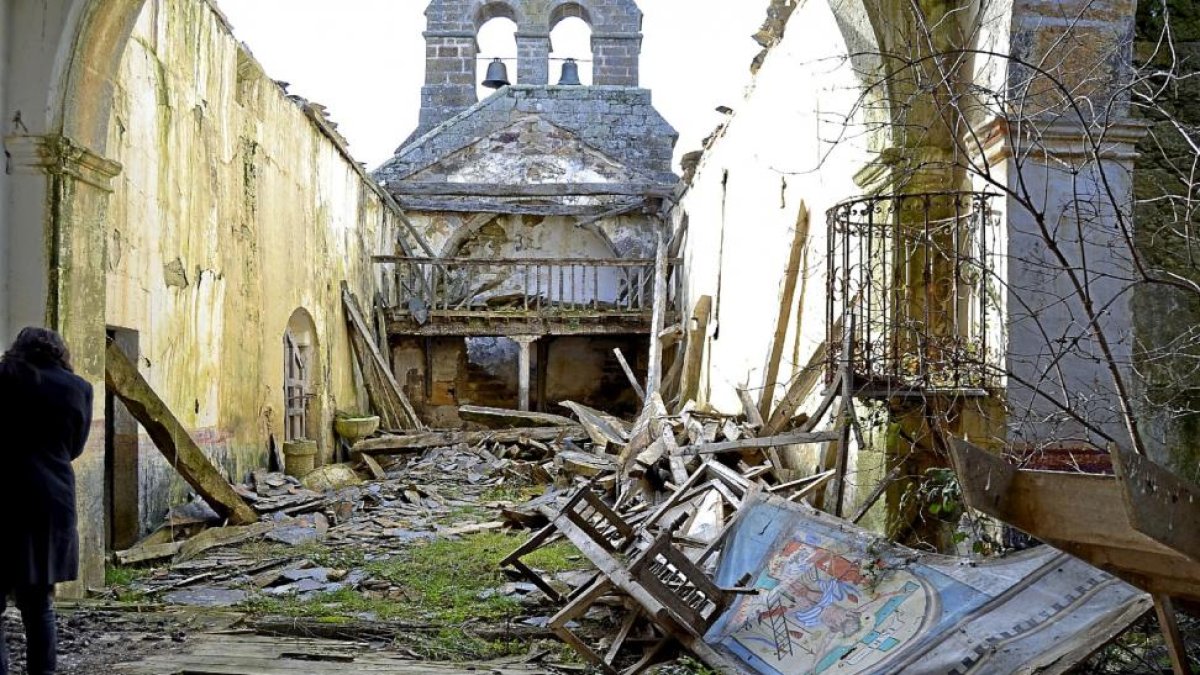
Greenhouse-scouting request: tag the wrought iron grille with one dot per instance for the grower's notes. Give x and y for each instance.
(912, 290)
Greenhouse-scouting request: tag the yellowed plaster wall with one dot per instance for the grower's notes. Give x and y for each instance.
(233, 210)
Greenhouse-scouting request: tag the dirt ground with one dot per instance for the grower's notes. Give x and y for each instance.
(91, 641)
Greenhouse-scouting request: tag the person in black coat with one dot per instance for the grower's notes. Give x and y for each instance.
(46, 413)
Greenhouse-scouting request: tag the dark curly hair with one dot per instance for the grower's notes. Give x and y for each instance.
(35, 348)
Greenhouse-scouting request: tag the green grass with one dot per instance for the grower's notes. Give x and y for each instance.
(442, 581)
(318, 553)
(122, 579)
(517, 494)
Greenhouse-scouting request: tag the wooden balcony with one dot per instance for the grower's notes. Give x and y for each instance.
(522, 296)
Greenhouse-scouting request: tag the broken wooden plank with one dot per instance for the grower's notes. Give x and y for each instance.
(1082, 514)
(637, 388)
(218, 537)
(415, 442)
(1169, 625)
(693, 356)
(141, 554)
(794, 438)
(502, 418)
(802, 386)
(373, 467)
(383, 390)
(751, 411)
(183, 454)
(1160, 505)
(654, 369)
(884, 484)
(602, 428)
(786, 301)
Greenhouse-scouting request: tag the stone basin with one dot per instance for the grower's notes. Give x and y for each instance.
(354, 429)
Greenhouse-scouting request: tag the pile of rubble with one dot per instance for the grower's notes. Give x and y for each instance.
(408, 487)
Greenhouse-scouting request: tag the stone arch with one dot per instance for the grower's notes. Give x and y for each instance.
(82, 100)
(567, 9)
(486, 10)
(60, 78)
(864, 30)
(623, 16)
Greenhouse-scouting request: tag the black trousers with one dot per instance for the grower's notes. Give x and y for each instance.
(41, 635)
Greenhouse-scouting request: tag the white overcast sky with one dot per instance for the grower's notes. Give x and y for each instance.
(365, 59)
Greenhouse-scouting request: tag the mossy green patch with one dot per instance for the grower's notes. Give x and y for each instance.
(446, 583)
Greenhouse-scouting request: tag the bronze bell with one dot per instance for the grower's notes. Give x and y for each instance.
(570, 74)
(497, 75)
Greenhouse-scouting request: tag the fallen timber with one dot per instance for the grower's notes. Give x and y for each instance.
(172, 439)
(396, 444)
(1141, 524)
(797, 438)
(499, 418)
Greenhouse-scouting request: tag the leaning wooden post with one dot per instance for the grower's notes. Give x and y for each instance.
(658, 315)
(637, 388)
(126, 383)
(693, 355)
(783, 321)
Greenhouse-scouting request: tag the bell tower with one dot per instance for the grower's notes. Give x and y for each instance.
(451, 48)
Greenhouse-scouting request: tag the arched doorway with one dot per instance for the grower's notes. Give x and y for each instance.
(301, 378)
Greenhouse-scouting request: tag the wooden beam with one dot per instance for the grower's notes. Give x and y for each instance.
(497, 262)
(496, 205)
(500, 418)
(693, 356)
(383, 390)
(654, 370)
(787, 298)
(795, 438)
(637, 388)
(1169, 626)
(802, 386)
(420, 189)
(444, 439)
(752, 414)
(1160, 504)
(183, 454)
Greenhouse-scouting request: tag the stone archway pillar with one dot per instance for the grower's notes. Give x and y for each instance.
(67, 186)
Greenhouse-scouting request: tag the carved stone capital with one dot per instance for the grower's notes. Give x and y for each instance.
(1058, 140)
(55, 155)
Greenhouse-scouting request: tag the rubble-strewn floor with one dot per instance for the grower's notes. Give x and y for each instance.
(402, 569)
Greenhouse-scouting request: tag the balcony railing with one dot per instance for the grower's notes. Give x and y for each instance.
(912, 278)
(432, 288)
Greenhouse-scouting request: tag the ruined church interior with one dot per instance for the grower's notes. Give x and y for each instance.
(888, 368)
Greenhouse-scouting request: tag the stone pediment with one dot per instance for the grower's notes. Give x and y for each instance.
(530, 151)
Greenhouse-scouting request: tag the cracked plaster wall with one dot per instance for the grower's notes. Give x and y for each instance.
(235, 208)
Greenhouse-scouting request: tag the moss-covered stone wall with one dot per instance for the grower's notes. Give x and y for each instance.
(1167, 321)
(238, 205)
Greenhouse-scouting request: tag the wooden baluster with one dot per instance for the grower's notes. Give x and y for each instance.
(561, 289)
(596, 287)
(574, 289)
